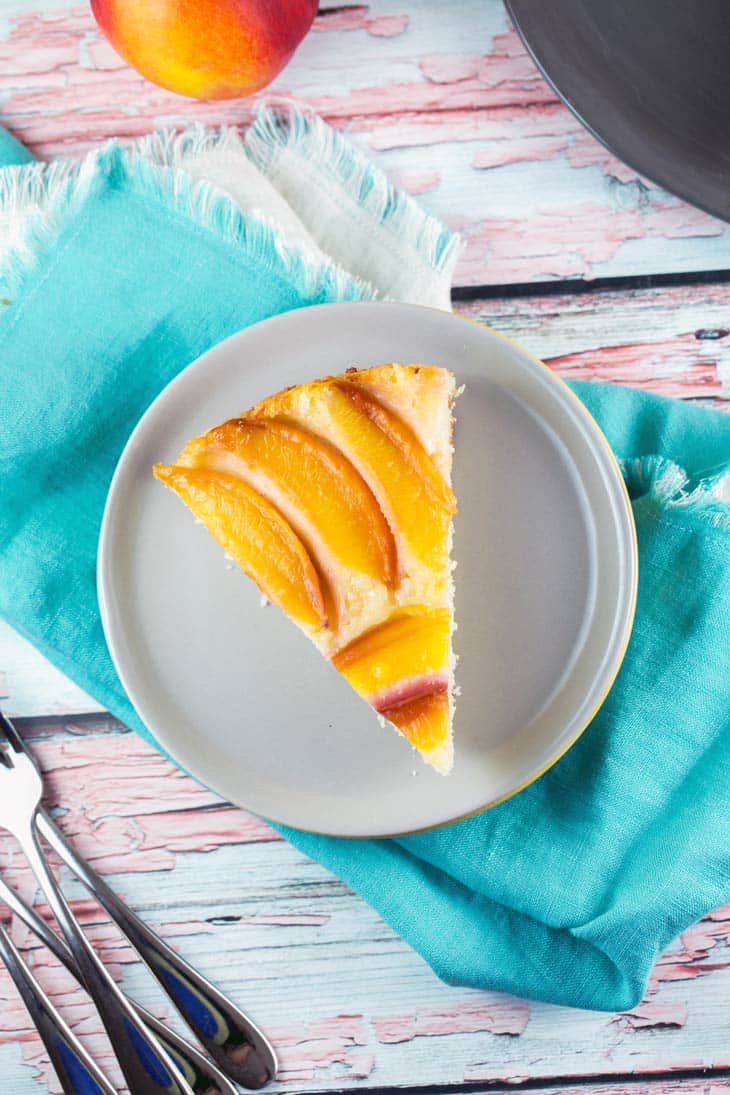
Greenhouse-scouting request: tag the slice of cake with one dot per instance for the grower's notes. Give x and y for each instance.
(334, 497)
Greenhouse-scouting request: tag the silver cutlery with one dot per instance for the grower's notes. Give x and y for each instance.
(202, 1076)
(234, 1042)
(74, 1067)
(240, 1049)
(146, 1067)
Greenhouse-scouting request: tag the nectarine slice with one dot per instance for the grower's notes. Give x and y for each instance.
(416, 497)
(421, 397)
(255, 535)
(323, 496)
(404, 439)
(401, 659)
(413, 494)
(423, 720)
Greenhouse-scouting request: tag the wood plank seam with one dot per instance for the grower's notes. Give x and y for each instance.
(634, 1082)
(570, 286)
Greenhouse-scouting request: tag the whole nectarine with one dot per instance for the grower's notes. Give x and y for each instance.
(208, 49)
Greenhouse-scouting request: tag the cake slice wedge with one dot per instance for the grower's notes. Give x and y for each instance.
(335, 497)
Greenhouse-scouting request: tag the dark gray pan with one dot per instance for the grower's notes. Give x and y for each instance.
(650, 79)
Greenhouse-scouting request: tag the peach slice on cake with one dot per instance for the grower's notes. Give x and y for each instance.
(335, 497)
(327, 503)
(255, 535)
(385, 451)
(402, 668)
(425, 722)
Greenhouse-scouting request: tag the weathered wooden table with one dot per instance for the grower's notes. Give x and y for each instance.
(597, 271)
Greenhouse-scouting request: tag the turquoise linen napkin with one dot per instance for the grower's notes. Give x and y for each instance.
(12, 151)
(126, 271)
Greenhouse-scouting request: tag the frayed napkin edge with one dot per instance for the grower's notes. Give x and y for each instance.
(666, 483)
(47, 195)
(282, 141)
(281, 129)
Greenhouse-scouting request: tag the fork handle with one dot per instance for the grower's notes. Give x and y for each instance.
(200, 1073)
(234, 1042)
(76, 1070)
(146, 1067)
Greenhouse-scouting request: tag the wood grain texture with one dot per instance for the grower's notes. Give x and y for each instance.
(346, 1001)
(445, 98)
(716, 1085)
(671, 341)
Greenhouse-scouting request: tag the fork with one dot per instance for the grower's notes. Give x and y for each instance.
(146, 1067)
(241, 1051)
(76, 1070)
(202, 1076)
(233, 1040)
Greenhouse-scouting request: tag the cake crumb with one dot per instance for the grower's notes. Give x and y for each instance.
(264, 600)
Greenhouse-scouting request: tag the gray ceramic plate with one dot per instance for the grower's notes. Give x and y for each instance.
(546, 583)
(650, 79)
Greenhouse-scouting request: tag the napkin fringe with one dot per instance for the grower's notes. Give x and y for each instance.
(279, 129)
(666, 483)
(41, 195)
(46, 195)
(171, 147)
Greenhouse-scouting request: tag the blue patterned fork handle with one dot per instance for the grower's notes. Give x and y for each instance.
(76, 1070)
(241, 1051)
(202, 1076)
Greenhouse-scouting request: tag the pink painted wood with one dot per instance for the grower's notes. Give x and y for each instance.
(672, 341)
(450, 104)
(358, 1008)
(446, 99)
